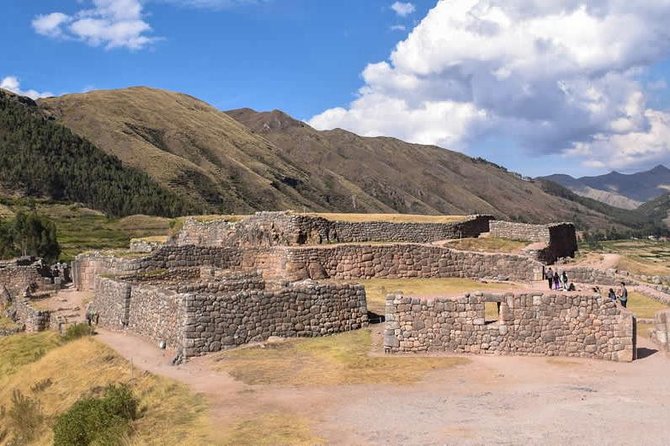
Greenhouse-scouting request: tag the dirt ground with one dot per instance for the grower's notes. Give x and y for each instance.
(497, 400)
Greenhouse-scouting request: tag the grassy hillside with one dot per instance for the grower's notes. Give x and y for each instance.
(80, 229)
(409, 178)
(41, 158)
(188, 146)
(268, 161)
(54, 375)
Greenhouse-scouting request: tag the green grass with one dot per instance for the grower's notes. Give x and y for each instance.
(641, 256)
(80, 229)
(341, 359)
(21, 349)
(643, 306)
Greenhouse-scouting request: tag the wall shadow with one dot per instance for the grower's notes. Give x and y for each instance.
(643, 352)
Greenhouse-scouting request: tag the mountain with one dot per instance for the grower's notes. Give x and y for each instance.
(41, 158)
(242, 161)
(617, 189)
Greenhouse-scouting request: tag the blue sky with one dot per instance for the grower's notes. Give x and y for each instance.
(539, 87)
(301, 56)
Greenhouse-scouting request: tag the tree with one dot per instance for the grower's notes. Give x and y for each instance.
(29, 234)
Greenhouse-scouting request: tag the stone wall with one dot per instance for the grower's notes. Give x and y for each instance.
(585, 326)
(227, 310)
(584, 274)
(519, 231)
(265, 229)
(112, 302)
(660, 334)
(158, 314)
(403, 261)
(145, 245)
(88, 266)
(24, 314)
(216, 322)
(560, 239)
(17, 278)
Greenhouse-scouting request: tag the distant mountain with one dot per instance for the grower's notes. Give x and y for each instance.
(186, 156)
(617, 189)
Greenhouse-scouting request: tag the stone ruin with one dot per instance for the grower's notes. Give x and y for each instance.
(218, 284)
(24, 281)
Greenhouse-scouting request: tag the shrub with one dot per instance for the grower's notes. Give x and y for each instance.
(77, 331)
(24, 419)
(103, 421)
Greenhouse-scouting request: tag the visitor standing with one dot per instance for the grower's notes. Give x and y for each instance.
(549, 275)
(564, 280)
(557, 280)
(623, 295)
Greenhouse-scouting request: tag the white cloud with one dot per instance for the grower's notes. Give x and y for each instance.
(403, 9)
(12, 83)
(555, 76)
(214, 4)
(398, 28)
(109, 23)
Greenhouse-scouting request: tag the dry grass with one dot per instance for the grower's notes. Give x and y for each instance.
(488, 244)
(172, 415)
(333, 360)
(646, 257)
(394, 218)
(643, 306)
(152, 238)
(6, 322)
(648, 266)
(377, 289)
(5, 212)
(272, 429)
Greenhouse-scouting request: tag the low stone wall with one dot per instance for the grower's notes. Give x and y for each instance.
(582, 274)
(24, 314)
(661, 331)
(266, 229)
(17, 278)
(585, 326)
(87, 266)
(230, 310)
(144, 245)
(216, 322)
(403, 261)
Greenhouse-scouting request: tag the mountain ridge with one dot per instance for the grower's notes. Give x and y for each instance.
(627, 191)
(242, 161)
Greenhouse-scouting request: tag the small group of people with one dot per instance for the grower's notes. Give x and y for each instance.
(558, 281)
(620, 295)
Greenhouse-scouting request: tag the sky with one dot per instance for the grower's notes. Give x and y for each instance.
(538, 86)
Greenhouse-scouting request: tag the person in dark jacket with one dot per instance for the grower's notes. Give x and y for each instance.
(557, 281)
(549, 275)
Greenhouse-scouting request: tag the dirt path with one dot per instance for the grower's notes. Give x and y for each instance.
(493, 400)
